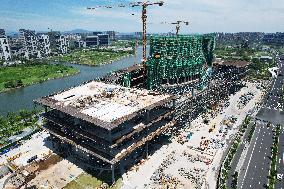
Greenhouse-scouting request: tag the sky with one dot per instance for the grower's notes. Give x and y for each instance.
(204, 16)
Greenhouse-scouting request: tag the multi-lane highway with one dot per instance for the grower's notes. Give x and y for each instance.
(280, 164)
(273, 108)
(255, 169)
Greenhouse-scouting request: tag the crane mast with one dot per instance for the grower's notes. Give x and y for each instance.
(178, 25)
(144, 6)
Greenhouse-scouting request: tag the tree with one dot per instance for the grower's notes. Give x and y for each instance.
(19, 83)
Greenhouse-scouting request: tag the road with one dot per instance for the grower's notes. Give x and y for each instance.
(280, 164)
(272, 110)
(239, 157)
(255, 170)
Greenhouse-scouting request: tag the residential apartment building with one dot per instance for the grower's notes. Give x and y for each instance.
(30, 42)
(111, 35)
(59, 43)
(5, 51)
(2, 32)
(44, 45)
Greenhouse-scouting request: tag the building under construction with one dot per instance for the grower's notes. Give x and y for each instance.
(114, 118)
(108, 122)
(173, 60)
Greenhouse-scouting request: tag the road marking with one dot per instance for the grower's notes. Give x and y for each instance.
(250, 159)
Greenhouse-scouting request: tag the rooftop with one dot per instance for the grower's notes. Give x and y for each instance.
(105, 105)
(236, 63)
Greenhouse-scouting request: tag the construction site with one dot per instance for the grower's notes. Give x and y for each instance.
(113, 121)
(163, 119)
(129, 116)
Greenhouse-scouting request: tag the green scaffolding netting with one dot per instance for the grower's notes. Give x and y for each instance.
(178, 57)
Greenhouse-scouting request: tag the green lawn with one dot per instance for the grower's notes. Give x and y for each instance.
(91, 57)
(259, 70)
(23, 75)
(14, 123)
(87, 181)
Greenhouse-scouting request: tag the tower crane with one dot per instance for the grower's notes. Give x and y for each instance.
(144, 6)
(177, 23)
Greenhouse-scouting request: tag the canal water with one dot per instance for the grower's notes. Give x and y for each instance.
(22, 98)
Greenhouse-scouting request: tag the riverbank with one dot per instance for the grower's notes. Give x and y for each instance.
(22, 98)
(28, 74)
(17, 125)
(92, 57)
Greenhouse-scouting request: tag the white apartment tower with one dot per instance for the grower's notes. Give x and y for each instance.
(44, 45)
(63, 44)
(5, 51)
(31, 44)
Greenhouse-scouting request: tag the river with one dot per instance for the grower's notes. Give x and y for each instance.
(22, 98)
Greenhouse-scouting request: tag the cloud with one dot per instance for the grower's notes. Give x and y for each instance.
(204, 16)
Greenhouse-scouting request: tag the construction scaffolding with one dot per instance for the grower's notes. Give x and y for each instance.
(107, 121)
(179, 59)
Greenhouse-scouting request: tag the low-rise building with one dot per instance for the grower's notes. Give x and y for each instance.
(80, 44)
(103, 39)
(92, 41)
(266, 59)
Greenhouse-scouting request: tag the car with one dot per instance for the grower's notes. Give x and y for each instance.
(32, 159)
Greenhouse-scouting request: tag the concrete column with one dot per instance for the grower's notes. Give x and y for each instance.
(112, 174)
(174, 103)
(147, 150)
(148, 116)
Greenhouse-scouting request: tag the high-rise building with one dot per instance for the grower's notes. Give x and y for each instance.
(97, 32)
(63, 44)
(5, 51)
(2, 32)
(44, 45)
(138, 35)
(59, 43)
(111, 35)
(30, 42)
(274, 38)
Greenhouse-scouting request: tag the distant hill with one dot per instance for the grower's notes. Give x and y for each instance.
(77, 31)
(11, 33)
